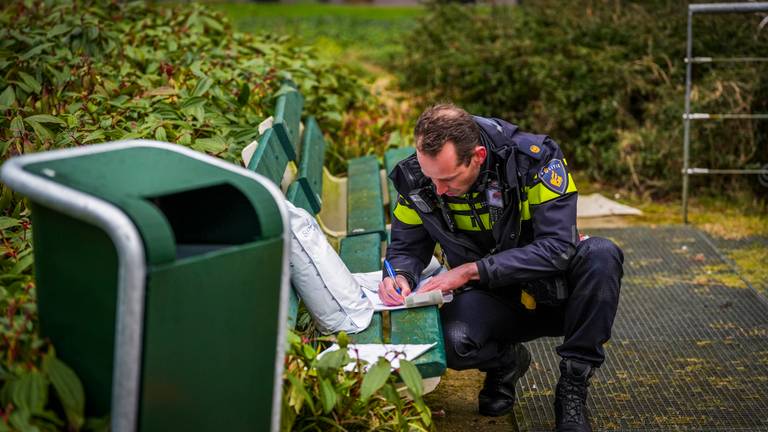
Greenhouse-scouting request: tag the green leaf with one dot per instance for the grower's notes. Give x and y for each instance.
(212, 24)
(390, 394)
(160, 134)
(332, 361)
(412, 378)
(45, 118)
(22, 264)
(245, 94)
(97, 135)
(35, 51)
(68, 387)
(41, 131)
(202, 86)
(298, 394)
(20, 421)
(292, 338)
(8, 97)
(17, 126)
(3, 147)
(375, 378)
(30, 81)
(199, 113)
(30, 391)
(308, 351)
(327, 395)
(192, 102)
(6, 222)
(58, 29)
(210, 145)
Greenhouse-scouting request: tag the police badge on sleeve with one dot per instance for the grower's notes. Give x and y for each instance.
(554, 176)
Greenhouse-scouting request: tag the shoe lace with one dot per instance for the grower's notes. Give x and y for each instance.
(573, 397)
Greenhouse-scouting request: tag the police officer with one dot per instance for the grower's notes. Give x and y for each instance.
(501, 205)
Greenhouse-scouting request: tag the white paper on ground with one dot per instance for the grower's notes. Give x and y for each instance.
(371, 353)
(370, 284)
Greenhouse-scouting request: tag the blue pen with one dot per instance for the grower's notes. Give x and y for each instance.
(391, 273)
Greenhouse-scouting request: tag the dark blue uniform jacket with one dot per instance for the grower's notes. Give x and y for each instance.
(518, 222)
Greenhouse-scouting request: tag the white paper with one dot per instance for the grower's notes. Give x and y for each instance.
(371, 353)
(370, 284)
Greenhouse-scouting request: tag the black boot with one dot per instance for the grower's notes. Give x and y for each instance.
(498, 394)
(571, 397)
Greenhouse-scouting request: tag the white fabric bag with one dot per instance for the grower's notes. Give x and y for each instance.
(321, 279)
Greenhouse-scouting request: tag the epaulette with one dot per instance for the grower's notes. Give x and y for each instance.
(531, 144)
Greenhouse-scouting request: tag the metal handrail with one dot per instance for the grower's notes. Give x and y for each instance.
(708, 116)
(726, 59)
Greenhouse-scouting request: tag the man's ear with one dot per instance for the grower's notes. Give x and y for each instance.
(479, 155)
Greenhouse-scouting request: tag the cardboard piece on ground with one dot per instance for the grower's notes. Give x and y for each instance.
(596, 205)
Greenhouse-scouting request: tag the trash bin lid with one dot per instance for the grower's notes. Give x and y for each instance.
(132, 176)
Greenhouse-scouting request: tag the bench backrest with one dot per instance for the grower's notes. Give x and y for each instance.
(279, 146)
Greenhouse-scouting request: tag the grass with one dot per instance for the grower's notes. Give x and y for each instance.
(347, 33)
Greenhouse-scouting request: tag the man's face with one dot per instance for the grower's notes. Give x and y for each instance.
(449, 176)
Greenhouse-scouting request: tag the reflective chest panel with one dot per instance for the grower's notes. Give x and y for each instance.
(472, 213)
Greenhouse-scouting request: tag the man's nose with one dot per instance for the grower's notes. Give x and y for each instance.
(441, 187)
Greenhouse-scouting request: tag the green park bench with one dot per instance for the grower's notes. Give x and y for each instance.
(361, 249)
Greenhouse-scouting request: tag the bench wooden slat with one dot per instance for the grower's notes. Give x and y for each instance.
(361, 253)
(418, 326)
(365, 204)
(372, 334)
(270, 158)
(312, 156)
(391, 158)
(287, 120)
(301, 195)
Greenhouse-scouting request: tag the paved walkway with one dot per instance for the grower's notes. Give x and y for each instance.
(689, 349)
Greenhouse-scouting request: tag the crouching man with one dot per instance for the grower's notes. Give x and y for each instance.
(501, 204)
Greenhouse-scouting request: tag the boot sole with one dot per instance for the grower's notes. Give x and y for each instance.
(521, 371)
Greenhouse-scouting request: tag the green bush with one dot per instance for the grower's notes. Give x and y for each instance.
(86, 72)
(74, 74)
(605, 79)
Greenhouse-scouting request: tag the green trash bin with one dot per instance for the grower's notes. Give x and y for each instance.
(162, 280)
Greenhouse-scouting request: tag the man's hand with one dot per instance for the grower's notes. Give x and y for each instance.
(452, 279)
(389, 295)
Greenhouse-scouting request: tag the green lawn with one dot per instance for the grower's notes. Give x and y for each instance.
(346, 32)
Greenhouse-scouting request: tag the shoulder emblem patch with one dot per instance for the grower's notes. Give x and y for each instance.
(534, 149)
(554, 176)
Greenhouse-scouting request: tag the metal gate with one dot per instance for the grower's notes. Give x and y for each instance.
(712, 8)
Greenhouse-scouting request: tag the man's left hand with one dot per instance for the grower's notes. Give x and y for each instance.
(452, 279)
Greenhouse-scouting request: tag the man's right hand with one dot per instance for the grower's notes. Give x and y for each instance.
(389, 295)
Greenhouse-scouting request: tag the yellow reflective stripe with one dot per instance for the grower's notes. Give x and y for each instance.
(540, 194)
(465, 222)
(406, 215)
(457, 206)
(527, 300)
(525, 211)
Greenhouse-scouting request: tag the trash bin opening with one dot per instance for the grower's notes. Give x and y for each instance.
(208, 219)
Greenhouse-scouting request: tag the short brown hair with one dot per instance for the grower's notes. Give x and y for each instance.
(447, 122)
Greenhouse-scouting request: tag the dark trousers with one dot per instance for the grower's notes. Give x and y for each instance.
(479, 325)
